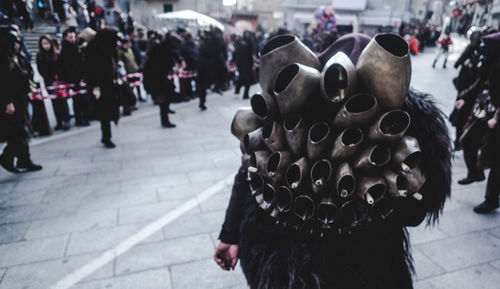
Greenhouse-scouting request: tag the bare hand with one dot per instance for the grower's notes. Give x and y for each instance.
(459, 104)
(492, 123)
(10, 109)
(226, 256)
(97, 92)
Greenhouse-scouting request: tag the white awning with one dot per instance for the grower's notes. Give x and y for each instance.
(192, 16)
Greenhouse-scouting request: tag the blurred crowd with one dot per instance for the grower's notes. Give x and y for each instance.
(477, 112)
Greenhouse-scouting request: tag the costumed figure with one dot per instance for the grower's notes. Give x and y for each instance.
(468, 74)
(339, 156)
(490, 112)
(101, 59)
(15, 75)
(160, 61)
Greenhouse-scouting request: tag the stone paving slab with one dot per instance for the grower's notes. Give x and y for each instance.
(482, 276)
(44, 274)
(30, 251)
(155, 279)
(161, 254)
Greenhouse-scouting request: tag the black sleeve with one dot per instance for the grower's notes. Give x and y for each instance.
(230, 232)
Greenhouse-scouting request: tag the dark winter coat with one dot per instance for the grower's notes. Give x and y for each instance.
(101, 71)
(46, 64)
(243, 57)
(14, 81)
(70, 63)
(189, 53)
(160, 61)
(374, 257)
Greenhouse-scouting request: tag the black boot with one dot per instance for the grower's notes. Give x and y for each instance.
(28, 166)
(486, 207)
(7, 163)
(108, 143)
(472, 178)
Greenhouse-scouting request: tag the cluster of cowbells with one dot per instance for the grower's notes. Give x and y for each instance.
(325, 147)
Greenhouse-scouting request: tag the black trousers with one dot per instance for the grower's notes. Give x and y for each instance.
(186, 87)
(61, 111)
(81, 107)
(471, 143)
(105, 130)
(17, 141)
(493, 184)
(164, 108)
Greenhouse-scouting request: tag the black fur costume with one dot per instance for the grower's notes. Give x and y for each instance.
(375, 256)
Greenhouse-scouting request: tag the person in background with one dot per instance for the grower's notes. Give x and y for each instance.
(189, 54)
(243, 57)
(71, 71)
(444, 43)
(23, 11)
(160, 61)
(100, 69)
(46, 61)
(127, 57)
(15, 74)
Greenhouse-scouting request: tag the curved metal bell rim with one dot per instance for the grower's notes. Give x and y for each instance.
(379, 147)
(315, 167)
(395, 182)
(343, 133)
(286, 75)
(350, 205)
(266, 133)
(287, 191)
(341, 60)
(409, 145)
(353, 98)
(296, 119)
(299, 72)
(388, 114)
(256, 179)
(256, 101)
(300, 178)
(268, 197)
(246, 140)
(274, 39)
(325, 135)
(376, 39)
(350, 179)
(306, 199)
(332, 219)
(270, 161)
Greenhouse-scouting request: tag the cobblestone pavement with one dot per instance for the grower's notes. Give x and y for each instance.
(88, 199)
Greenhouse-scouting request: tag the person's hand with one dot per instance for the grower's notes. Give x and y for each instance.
(97, 92)
(226, 255)
(459, 104)
(492, 123)
(10, 109)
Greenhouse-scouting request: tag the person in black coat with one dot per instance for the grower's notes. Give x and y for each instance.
(189, 54)
(376, 256)
(101, 76)
(70, 71)
(468, 74)
(46, 62)
(243, 57)
(490, 72)
(160, 61)
(15, 74)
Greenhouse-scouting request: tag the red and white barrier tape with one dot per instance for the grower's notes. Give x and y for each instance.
(62, 90)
